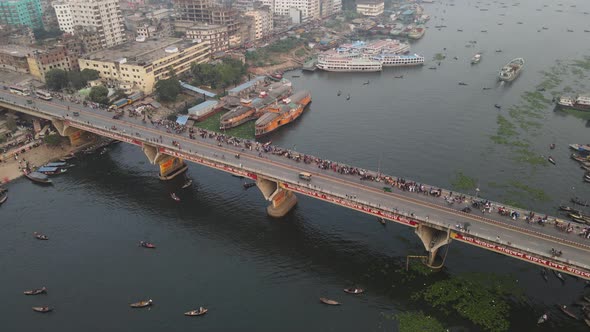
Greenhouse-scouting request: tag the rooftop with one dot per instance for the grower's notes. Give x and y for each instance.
(369, 2)
(141, 53)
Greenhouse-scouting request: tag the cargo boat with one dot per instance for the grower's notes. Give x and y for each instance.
(580, 103)
(284, 113)
(511, 71)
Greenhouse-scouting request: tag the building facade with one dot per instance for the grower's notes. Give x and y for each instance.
(262, 23)
(104, 15)
(370, 7)
(310, 9)
(142, 64)
(193, 10)
(37, 62)
(21, 13)
(216, 35)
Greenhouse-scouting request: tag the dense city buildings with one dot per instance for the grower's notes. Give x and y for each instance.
(37, 62)
(262, 23)
(193, 10)
(216, 35)
(370, 7)
(138, 65)
(21, 13)
(308, 9)
(104, 15)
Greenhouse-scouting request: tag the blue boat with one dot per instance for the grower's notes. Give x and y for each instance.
(57, 164)
(50, 170)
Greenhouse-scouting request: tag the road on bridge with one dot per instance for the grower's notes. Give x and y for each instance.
(532, 238)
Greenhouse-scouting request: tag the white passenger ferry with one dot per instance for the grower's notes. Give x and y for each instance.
(347, 64)
(394, 60)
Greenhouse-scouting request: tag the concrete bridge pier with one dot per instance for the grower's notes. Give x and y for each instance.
(433, 239)
(170, 167)
(282, 200)
(77, 136)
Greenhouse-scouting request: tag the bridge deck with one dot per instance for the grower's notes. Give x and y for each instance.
(490, 231)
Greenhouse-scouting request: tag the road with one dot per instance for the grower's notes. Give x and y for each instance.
(348, 189)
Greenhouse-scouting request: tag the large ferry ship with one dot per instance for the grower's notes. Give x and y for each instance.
(337, 63)
(580, 103)
(511, 71)
(391, 60)
(280, 114)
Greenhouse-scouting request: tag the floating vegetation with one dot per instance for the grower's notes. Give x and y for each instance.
(439, 57)
(514, 203)
(418, 322)
(584, 64)
(480, 298)
(578, 114)
(463, 182)
(536, 194)
(529, 157)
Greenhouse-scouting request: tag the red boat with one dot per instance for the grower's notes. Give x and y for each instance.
(147, 245)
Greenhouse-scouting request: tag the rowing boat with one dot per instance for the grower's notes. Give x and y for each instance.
(201, 311)
(141, 304)
(328, 301)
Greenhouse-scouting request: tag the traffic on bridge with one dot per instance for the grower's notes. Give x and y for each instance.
(438, 215)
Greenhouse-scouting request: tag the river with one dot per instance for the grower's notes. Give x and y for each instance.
(218, 249)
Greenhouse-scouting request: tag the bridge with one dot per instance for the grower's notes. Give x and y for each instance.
(277, 177)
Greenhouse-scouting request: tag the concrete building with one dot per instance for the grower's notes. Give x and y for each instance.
(193, 10)
(35, 61)
(140, 65)
(330, 7)
(21, 13)
(104, 15)
(309, 9)
(216, 35)
(261, 22)
(370, 7)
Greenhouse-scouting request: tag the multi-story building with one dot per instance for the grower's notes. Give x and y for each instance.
(37, 62)
(21, 13)
(370, 7)
(142, 64)
(310, 9)
(104, 15)
(261, 22)
(216, 35)
(193, 10)
(330, 7)
(89, 37)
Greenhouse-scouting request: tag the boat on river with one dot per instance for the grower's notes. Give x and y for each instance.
(354, 290)
(187, 184)
(141, 304)
(48, 170)
(40, 236)
(43, 309)
(543, 319)
(328, 301)
(147, 245)
(175, 197)
(580, 103)
(583, 148)
(38, 177)
(199, 312)
(551, 160)
(3, 195)
(283, 113)
(566, 311)
(476, 59)
(511, 70)
(37, 291)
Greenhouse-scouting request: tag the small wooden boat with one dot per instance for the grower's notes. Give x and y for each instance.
(551, 160)
(587, 321)
(187, 183)
(348, 97)
(3, 197)
(579, 158)
(354, 291)
(552, 146)
(498, 106)
(366, 82)
(201, 311)
(568, 209)
(559, 276)
(582, 303)
(38, 177)
(462, 83)
(586, 298)
(141, 304)
(37, 291)
(543, 319)
(249, 185)
(566, 311)
(339, 93)
(544, 274)
(400, 76)
(174, 197)
(43, 309)
(147, 245)
(40, 236)
(328, 301)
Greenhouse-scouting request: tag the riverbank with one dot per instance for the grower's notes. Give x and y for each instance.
(10, 169)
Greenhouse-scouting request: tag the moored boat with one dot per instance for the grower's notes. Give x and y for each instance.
(511, 70)
(38, 177)
(48, 170)
(199, 312)
(37, 291)
(578, 158)
(580, 103)
(328, 301)
(279, 115)
(141, 304)
(578, 201)
(43, 309)
(583, 148)
(3, 196)
(476, 59)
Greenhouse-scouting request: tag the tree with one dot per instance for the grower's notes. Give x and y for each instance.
(56, 79)
(99, 94)
(168, 90)
(76, 80)
(89, 74)
(52, 140)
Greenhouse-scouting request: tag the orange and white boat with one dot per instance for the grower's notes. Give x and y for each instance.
(280, 114)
